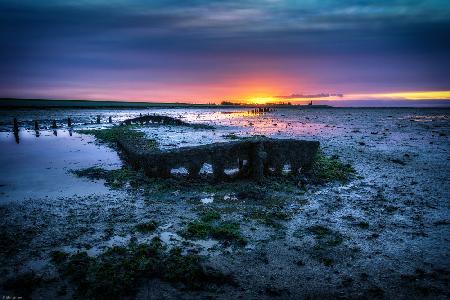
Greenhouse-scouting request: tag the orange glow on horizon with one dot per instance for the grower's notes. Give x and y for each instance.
(258, 89)
(262, 100)
(416, 95)
(413, 96)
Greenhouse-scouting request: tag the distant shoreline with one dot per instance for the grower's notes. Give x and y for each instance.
(15, 103)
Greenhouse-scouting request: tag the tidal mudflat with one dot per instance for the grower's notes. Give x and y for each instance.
(371, 221)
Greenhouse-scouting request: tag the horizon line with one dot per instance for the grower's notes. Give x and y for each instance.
(389, 103)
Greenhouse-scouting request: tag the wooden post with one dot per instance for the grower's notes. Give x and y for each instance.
(36, 125)
(15, 125)
(54, 124)
(69, 122)
(110, 119)
(16, 137)
(98, 119)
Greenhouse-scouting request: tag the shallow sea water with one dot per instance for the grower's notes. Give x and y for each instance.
(39, 166)
(35, 165)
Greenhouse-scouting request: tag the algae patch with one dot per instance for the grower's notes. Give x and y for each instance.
(211, 225)
(111, 135)
(117, 272)
(146, 227)
(326, 169)
(269, 217)
(325, 236)
(116, 178)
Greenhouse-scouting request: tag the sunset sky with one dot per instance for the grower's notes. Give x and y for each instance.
(209, 51)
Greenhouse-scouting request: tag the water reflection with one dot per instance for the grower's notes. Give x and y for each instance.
(38, 167)
(235, 124)
(237, 121)
(16, 136)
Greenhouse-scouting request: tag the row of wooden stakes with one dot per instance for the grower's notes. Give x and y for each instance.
(54, 125)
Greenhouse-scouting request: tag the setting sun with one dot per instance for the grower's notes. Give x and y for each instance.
(262, 100)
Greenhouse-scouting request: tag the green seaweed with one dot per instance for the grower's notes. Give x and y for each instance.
(271, 217)
(116, 178)
(209, 216)
(328, 262)
(58, 256)
(147, 227)
(116, 273)
(325, 236)
(231, 136)
(112, 134)
(228, 231)
(326, 169)
(363, 225)
(210, 225)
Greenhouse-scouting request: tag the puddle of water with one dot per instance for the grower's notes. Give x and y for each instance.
(207, 198)
(166, 226)
(118, 240)
(38, 167)
(230, 197)
(206, 244)
(170, 238)
(250, 247)
(238, 123)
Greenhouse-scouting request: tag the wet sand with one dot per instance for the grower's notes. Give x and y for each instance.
(393, 217)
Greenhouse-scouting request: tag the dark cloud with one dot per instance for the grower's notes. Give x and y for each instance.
(309, 96)
(392, 44)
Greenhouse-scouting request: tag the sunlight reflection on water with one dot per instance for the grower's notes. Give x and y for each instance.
(233, 124)
(38, 165)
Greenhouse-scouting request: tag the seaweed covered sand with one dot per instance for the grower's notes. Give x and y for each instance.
(371, 221)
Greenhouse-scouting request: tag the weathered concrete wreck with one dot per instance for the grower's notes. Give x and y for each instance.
(252, 158)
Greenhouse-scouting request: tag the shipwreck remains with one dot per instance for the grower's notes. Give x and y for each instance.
(154, 119)
(252, 158)
(162, 120)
